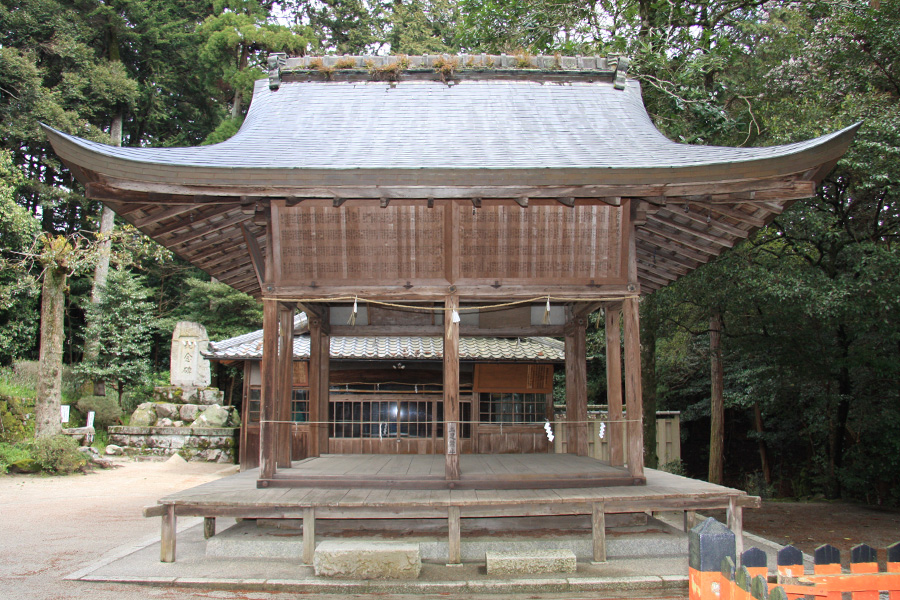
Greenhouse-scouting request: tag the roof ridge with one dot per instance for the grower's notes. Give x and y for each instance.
(448, 68)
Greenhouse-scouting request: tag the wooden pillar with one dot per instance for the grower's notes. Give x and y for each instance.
(616, 431)
(451, 389)
(309, 535)
(735, 517)
(633, 401)
(269, 392)
(209, 527)
(576, 387)
(598, 531)
(285, 384)
(454, 549)
(319, 376)
(167, 536)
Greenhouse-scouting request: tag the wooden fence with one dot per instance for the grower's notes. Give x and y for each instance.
(668, 436)
(714, 574)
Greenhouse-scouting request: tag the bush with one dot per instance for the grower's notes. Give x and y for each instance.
(57, 454)
(16, 419)
(106, 409)
(16, 457)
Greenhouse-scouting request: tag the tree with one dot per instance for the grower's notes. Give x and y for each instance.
(122, 323)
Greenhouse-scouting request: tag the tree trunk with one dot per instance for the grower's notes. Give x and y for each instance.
(238, 95)
(763, 451)
(649, 324)
(717, 402)
(101, 270)
(839, 424)
(49, 392)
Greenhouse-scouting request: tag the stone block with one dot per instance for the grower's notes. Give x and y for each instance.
(367, 560)
(530, 562)
(189, 412)
(143, 416)
(167, 410)
(213, 416)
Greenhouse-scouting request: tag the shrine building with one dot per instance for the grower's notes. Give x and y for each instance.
(465, 197)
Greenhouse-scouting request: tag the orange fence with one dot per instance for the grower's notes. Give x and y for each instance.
(713, 574)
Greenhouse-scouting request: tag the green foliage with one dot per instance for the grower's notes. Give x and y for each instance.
(224, 311)
(57, 454)
(16, 458)
(225, 130)
(106, 410)
(16, 418)
(121, 323)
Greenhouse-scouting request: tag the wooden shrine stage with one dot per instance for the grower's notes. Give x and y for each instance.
(427, 472)
(238, 496)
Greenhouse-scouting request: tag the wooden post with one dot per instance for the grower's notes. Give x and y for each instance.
(209, 527)
(285, 384)
(598, 531)
(167, 535)
(614, 384)
(451, 389)
(319, 369)
(717, 401)
(576, 386)
(268, 412)
(735, 518)
(453, 543)
(634, 410)
(309, 535)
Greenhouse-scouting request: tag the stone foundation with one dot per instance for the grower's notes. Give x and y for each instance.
(211, 444)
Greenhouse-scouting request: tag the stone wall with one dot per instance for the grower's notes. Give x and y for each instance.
(212, 444)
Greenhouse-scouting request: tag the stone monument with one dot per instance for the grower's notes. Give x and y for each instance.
(188, 368)
(187, 416)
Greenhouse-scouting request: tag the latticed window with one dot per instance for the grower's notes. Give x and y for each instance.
(512, 407)
(299, 405)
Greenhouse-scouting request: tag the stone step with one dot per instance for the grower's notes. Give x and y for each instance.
(367, 559)
(536, 561)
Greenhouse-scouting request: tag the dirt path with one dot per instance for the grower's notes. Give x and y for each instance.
(808, 525)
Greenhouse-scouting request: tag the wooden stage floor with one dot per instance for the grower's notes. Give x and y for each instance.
(238, 496)
(477, 471)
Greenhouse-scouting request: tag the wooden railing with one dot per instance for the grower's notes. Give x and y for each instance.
(715, 575)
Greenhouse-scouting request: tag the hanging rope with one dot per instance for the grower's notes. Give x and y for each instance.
(460, 309)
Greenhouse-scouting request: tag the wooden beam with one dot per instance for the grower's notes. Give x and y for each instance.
(709, 222)
(633, 391)
(666, 262)
(433, 292)
(451, 389)
(584, 309)
(196, 218)
(671, 222)
(256, 255)
(735, 214)
(649, 239)
(285, 383)
(614, 383)
(166, 213)
(680, 239)
(206, 230)
(576, 387)
(269, 400)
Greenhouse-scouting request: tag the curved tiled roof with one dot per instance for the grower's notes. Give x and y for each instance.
(536, 349)
(306, 130)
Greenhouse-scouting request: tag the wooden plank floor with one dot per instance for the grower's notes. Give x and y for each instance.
(239, 496)
(479, 471)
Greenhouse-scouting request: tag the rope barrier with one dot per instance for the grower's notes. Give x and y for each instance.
(407, 423)
(445, 309)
